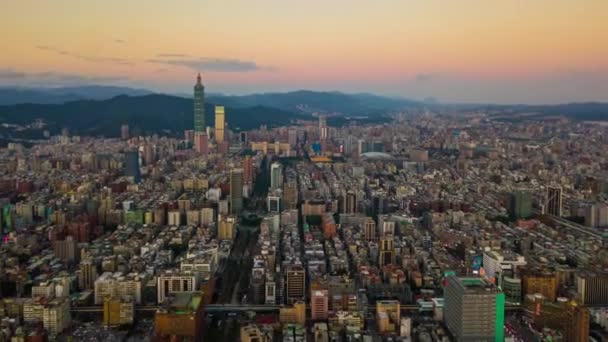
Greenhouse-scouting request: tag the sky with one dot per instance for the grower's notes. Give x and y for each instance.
(500, 51)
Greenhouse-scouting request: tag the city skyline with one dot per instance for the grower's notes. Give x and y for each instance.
(541, 52)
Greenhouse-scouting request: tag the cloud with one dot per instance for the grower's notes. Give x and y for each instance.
(209, 64)
(171, 55)
(92, 59)
(11, 74)
(423, 77)
(50, 78)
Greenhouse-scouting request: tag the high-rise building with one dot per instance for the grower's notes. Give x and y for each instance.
(388, 315)
(319, 304)
(169, 284)
(87, 274)
(292, 137)
(290, 195)
(181, 319)
(387, 251)
(276, 176)
(236, 191)
(118, 311)
(199, 106)
(576, 323)
(295, 284)
(474, 309)
(132, 165)
(554, 200)
(592, 288)
(350, 205)
(543, 283)
(201, 144)
(520, 204)
(220, 124)
(225, 229)
(252, 333)
(370, 230)
(124, 132)
(247, 165)
(66, 250)
(323, 129)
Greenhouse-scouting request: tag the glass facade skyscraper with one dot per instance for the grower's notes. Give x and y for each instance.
(199, 106)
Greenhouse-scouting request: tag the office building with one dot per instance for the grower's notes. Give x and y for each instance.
(276, 176)
(236, 191)
(474, 309)
(554, 200)
(520, 204)
(295, 284)
(132, 165)
(220, 124)
(199, 106)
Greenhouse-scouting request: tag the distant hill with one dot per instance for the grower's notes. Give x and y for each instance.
(12, 95)
(307, 101)
(145, 115)
(585, 111)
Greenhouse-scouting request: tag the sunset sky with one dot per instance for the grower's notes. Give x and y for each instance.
(515, 51)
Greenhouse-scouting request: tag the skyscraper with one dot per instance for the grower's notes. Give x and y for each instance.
(296, 286)
(554, 200)
(247, 165)
(132, 165)
(236, 191)
(323, 130)
(199, 105)
(276, 176)
(474, 309)
(220, 122)
(520, 204)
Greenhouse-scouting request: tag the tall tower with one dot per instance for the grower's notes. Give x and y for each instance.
(199, 106)
(220, 122)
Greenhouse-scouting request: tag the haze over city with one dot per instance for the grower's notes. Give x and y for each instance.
(304, 171)
(537, 52)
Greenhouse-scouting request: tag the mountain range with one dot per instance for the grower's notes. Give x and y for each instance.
(18, 95)
(101, 110)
